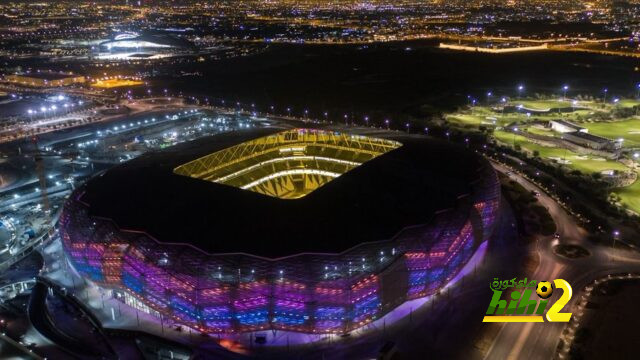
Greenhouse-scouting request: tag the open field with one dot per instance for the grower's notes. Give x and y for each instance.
(629, 102)
(629, 130)
(543, 105)
(630, 195)
(585, 163)
(541, 131)
(485, 115)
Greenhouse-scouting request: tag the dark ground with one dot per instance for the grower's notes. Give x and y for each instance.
(397, 80)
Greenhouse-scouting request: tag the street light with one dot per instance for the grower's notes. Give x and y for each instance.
(604, 100)
(616, 235)
(520, 90)
(565, 88)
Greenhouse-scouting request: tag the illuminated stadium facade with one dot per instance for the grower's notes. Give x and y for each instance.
(301, 230)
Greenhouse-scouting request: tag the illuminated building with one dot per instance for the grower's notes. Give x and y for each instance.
(45, 79)
(302, 230)
(151, 41)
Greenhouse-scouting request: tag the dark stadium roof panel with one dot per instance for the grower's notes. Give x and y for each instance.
(402, 187)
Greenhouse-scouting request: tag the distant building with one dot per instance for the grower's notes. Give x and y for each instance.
(148, 41)
(563, 126)
(45, 79)
(592, 141)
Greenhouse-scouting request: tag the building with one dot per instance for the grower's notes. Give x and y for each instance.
(152, 41)
(300, 230)
(592, 141)
(563, 126)
(45, 79)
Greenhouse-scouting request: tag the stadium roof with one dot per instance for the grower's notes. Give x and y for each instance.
(373, 201)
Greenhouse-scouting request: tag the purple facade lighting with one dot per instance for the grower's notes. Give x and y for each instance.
(309, 292)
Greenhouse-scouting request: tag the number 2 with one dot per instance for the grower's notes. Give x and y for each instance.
(554, 314)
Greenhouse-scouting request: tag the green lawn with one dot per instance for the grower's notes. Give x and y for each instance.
(466, 119)
(542, 104)
(628, 102)
(630, 196)
(629, 130)
(584, 163)
(539, 131)
(485, 116)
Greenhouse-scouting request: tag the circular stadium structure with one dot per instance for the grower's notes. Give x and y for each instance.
(303, 230)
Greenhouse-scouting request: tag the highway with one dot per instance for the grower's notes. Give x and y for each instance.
(540, 340)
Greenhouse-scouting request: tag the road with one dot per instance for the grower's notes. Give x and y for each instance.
(540, 340)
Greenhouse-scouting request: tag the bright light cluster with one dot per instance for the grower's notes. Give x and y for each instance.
(309, 292)
(289, 164)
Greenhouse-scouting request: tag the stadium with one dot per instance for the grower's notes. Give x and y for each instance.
(303, 230)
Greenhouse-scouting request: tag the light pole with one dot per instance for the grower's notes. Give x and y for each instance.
(515, 130)
(616, 235)
(386, 121)
(520, 90)
(565, 88)
(604, 100)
